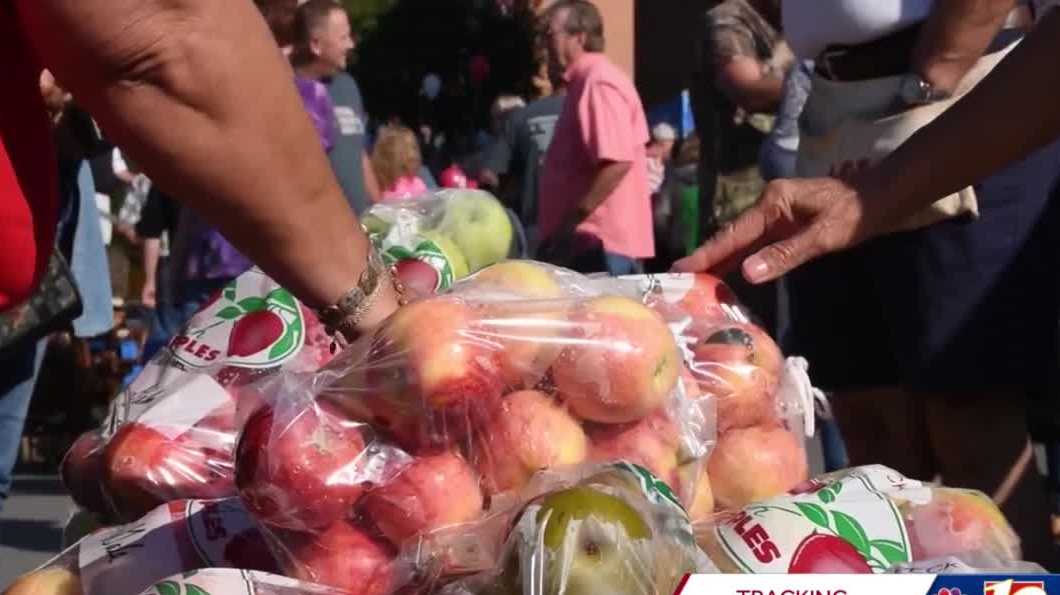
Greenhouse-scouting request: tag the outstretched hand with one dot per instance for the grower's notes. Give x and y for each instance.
(793, 222)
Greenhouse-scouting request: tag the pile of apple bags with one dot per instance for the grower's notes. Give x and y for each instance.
(171, 434)
(434, 240)
(446, 411)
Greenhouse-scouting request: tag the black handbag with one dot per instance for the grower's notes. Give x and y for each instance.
(52, 307)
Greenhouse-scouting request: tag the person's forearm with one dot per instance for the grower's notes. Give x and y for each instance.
(152, 253)
(750, 84)
(761, 96)
(1008, 115)
(954, 37)
(201, 97)
(607, 179)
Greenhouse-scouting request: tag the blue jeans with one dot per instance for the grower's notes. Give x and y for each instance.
(88, 255)
(18, 378)
(170, 318)
(832, 446)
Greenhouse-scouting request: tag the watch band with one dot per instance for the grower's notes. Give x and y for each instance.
(342, 317)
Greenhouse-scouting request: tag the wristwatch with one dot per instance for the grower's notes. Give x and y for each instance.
(342, 317)
(915, 90)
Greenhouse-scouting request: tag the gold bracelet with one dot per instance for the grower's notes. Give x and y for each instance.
(342, 317)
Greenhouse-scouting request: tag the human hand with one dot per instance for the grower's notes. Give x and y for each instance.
(793, 222)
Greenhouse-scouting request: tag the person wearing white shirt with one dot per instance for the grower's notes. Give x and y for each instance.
(892, 325)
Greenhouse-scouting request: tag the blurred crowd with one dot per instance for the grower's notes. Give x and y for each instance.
(937, 343)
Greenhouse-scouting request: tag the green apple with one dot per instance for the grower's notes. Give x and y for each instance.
(594, 544)
(452, 253)
(479, 225)
(375, 225)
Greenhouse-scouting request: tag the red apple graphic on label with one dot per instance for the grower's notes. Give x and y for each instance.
(418, 276)
(821, 553)
(254, 332)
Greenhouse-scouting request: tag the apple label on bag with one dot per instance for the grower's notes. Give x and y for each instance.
(847, 525)
(229, 581)
(658, 493)
(173, 538)
(252, 323)
(128, 558)
(172, 410)
(213, 524)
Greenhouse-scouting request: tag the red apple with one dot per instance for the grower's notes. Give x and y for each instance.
(254, 332)
(431, 493)
(318, 343)
(82, 473)
(248, 551)
(340, 555)
(301, 469)
(527, 432)
(708, 298)
(144, 468)
(739, 365)
(753, 464)
(621, 361)
(652, 443)
(418, 276)
(821, 553)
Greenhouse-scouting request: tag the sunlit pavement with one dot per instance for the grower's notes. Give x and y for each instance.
(31, 525)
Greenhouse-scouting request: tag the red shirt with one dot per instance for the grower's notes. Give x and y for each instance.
(602, 120)
(29, 193)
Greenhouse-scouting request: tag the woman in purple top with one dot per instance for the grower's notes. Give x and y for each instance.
(321, 110)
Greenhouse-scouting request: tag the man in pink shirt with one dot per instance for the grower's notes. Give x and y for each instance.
(594, 204)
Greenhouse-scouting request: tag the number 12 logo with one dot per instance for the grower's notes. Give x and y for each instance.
(1011, 587)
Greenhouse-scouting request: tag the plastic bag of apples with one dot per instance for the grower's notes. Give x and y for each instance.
(227, 581)
(863, 520)
(596, 529)
(451, 406)
(171, 434)
(764, 402)
(435, 240)
(176, 537)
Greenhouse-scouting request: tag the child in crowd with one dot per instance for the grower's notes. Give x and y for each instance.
(397, 162)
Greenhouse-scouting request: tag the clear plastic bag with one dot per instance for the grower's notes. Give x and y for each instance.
(448, 410)
(610, 530)
(764, 402)
(435, 240)
(861, 520)
(176, 537)
(171, 434)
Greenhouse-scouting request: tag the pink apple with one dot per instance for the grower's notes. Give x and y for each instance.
(621, 361)
(341, 555)
(739, 365)
(431, 493)
(427, 374)
(652, 443)
(527, 432)
(523, 313)
(959, 521)
(752, 464)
